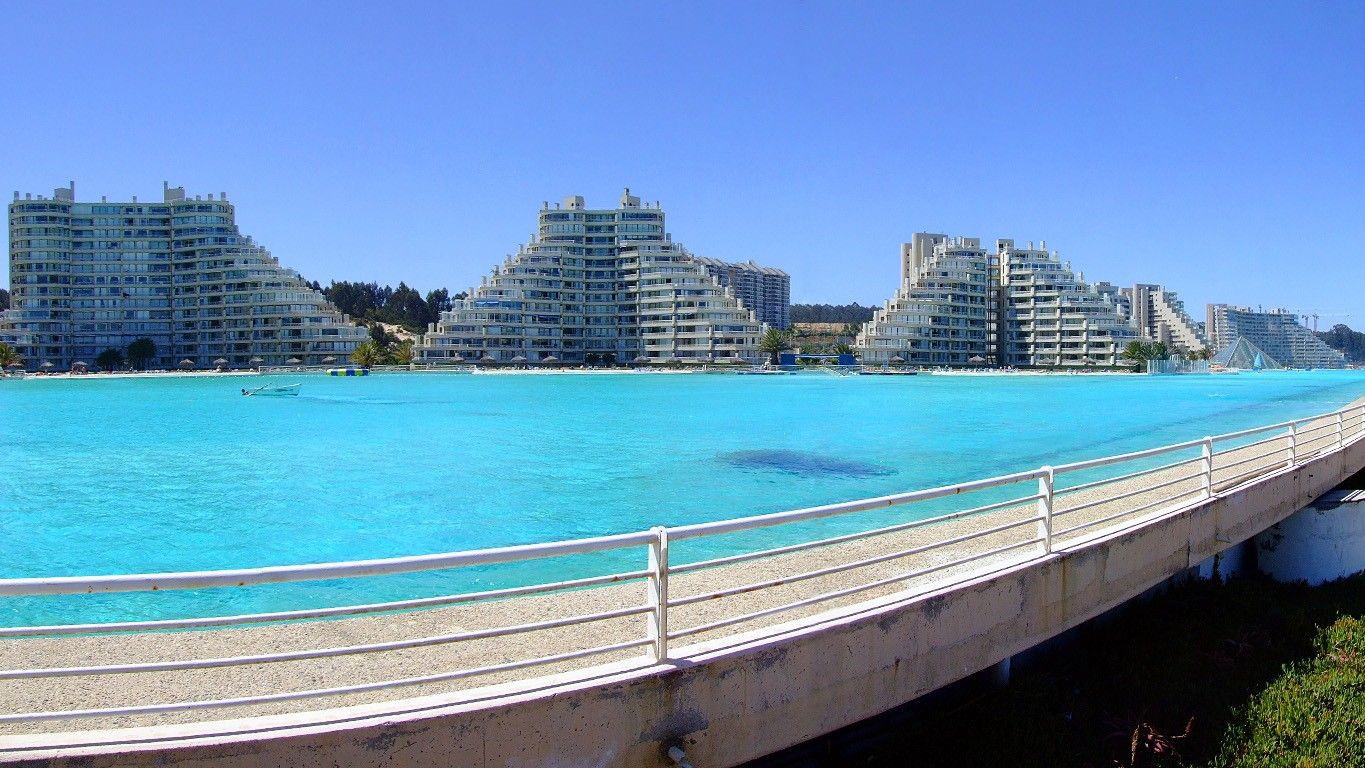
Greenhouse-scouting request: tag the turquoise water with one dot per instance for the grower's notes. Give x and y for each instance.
(158, 474)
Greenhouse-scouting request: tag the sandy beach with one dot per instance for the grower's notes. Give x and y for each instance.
(113, 690)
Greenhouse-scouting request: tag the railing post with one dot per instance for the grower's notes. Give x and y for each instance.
(1208, 467)
(1293, 442)
(658, 592)
(1341, 429)
(1046, 493)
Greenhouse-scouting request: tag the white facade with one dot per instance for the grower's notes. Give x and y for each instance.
(765, 290)
(596, 286)
(1052, 317)
(1277, 332)
(1160, 316)
(945, 310)
(86, 277)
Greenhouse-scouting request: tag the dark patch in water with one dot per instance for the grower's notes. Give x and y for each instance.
(803, 463)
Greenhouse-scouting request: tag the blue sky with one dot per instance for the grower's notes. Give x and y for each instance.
(1213, 147)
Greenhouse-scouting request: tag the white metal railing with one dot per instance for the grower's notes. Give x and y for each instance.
(887, 556)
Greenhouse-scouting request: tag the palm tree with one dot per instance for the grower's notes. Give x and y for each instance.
(401, 353)
(9, 357)
(367, 354)
(774, 342)
(1139, 351)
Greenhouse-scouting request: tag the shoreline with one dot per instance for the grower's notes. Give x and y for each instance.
(66, 376)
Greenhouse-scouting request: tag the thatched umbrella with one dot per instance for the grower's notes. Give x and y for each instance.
(329, 359)
(976, 359)
(549, 360)
(48, 364)
(15, 364)
(488, 359)
(293, 361)
(257, 360)
(457, 358)
(640, 360)
(897, 360)
(187, 363)
(519, 360)
(220, 363)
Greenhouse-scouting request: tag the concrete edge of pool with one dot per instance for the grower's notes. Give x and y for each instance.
(751, 696)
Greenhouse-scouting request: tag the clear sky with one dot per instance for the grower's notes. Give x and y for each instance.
(1216, 148)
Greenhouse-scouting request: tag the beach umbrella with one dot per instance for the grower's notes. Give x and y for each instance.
(48, 364)
(15, 364)
(329, 359)
(457, 358)
(257, 361)
(220, 361)
(897, 360)
(187, 363)
(293, 361)
(488, 359)
(550, 359)
(640, 359)
(976, 359)
(80, 364)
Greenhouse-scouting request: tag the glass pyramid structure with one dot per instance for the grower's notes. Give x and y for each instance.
(1246, 356)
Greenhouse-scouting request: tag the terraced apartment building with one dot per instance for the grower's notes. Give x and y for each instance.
(1277, 333)
(596, 286)
(960, 304)
(90, 276)
(945, 311)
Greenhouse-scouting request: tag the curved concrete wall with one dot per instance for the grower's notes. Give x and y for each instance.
(753, 696)
(1319, 543)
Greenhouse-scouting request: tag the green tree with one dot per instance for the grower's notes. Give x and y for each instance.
(367, 354)
(140, 352)
(9, 357)
(4, 299)
(1138, 351)
(1158, 350)
(773, 343)
(400, 353)
(380, 337)
(110, 359)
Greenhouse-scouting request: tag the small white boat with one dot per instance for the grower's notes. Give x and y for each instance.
(287, 390)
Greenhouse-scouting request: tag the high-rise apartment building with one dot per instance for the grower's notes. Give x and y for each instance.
(765, 290)
(1051, 316)
(596, 285)
(1160, 316)
(945, 310)
(1277, 332)
(90, 276)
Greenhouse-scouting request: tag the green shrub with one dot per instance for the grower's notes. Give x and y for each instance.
(1313, 714)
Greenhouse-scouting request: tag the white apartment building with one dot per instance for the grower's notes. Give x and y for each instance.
(765, 290)
(596, 286)
(1160, 316)
(945, 310)
(1051, 316)
(90, 276)
(1277, 332)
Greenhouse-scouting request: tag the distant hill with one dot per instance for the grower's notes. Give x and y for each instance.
(831, 313)
(1341, 338)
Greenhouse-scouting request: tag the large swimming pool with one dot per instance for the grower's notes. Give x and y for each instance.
(156, 474)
